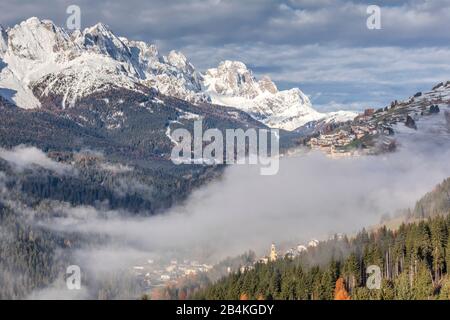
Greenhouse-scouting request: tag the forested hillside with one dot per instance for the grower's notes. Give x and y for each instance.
(414, 260)
(434, 203)
(109, 152)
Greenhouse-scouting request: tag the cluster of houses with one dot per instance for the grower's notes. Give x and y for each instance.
(360, 131)
(368, 124)
(158, 274)
(326, 142)
(155, 274)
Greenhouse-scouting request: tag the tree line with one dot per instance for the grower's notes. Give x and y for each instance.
(413, 259)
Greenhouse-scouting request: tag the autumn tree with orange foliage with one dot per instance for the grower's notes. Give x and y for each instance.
(243, 297)
(340, 293)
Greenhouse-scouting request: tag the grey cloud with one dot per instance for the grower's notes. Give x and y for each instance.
(348, 77)
(408, 23)
(319, 44)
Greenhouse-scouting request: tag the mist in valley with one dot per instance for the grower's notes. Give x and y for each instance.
(312, 196)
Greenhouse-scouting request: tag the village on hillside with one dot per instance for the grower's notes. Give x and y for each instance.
(158, 274)
(372, 132)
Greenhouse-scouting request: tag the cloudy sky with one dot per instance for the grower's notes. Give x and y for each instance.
(322, 46)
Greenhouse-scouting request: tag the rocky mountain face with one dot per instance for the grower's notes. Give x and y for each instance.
(233, 84)
(93, 90)
(42, 62)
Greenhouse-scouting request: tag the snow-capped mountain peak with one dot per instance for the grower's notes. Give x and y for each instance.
(43, 59)
(34, 49)
(232, 78)
(100, 28)
(144, 53)
(40, 60)
(232, 83)
(39, 41)
(267, 85)
(101, 39)
(46, 60)
(179, 61)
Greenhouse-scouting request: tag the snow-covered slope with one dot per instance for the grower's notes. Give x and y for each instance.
(32, 48)
(172, 75)
(100, 39)
(233, 84)
(40, 60)
(86, 74)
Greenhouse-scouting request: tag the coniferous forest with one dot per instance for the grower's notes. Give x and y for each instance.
(413, 260)
(225, 150)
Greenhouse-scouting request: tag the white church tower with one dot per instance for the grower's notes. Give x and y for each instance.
(273, 253)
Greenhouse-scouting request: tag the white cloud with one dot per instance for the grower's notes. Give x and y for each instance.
(23, 157)
(312, 197)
